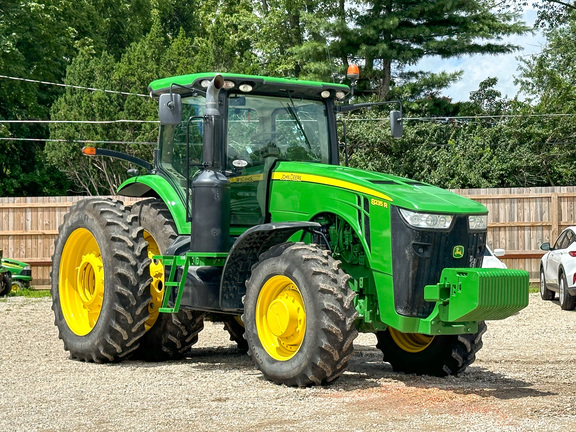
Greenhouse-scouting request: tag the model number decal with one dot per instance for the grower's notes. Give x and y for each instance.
(378, 203)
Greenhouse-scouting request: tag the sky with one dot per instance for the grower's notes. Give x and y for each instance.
(479, 67)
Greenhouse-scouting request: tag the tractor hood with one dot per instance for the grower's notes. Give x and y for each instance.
(398, 191)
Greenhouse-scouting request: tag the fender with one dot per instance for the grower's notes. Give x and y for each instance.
(159, 187)
(245, 253)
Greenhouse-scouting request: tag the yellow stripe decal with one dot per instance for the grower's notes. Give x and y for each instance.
(247, 178)
(311, 178)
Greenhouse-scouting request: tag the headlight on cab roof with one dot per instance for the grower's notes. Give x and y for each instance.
(427, 220)
(478, 222)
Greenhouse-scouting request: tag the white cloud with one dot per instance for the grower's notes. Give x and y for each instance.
(479, 67)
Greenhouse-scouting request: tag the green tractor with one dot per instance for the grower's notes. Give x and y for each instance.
(248, 218)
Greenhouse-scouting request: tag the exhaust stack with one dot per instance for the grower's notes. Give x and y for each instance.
(210, 230)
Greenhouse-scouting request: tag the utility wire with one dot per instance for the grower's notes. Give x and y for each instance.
(72, 86)
(78, 141)
(477, 117)
(80, 121)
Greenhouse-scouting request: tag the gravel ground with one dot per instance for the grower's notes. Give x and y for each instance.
(524, 379)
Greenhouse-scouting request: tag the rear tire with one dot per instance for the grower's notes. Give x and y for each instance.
(299, 315)
(545, 293)
(567, 302)
(100, 279)
(5, 284)
(235, 328)
(430, 355)
(168, 336)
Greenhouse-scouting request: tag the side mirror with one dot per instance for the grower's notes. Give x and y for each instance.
(499, 252)
(396, 124)
(170, 109)
(545, 246)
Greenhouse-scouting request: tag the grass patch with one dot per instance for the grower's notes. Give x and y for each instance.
(534, 288)
(30, 293)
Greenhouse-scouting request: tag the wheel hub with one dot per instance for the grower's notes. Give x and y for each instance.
(81, 281)
(280, 318)
(411, 342)
(90, 281)
(157, 284)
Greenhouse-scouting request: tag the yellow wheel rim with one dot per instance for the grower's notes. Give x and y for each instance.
(280, 318)
(157, 285)
(411, 342)
(81, 286)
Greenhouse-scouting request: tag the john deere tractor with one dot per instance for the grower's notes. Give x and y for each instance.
(248, 218)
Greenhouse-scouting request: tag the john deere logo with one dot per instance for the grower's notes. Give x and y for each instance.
(458, 252)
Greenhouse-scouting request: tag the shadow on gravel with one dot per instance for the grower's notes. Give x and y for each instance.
(367, 370)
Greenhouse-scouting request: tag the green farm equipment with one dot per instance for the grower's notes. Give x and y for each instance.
(5, 279)
(249, 219)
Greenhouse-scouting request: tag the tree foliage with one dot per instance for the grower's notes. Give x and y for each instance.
(123, 45)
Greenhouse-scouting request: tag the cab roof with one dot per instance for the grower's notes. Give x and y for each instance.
(260, 85)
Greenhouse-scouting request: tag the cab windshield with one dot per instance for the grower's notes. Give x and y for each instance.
(256, 127)
(286, 128)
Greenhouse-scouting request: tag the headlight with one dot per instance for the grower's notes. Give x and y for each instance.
(26, 267)
(427, 220)
(478, 222)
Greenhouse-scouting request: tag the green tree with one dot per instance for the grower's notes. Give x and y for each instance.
(34, 43)
(391, 34)
(143, 62)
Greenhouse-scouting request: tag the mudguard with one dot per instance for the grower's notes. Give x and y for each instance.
(157, 186)
(245, 253)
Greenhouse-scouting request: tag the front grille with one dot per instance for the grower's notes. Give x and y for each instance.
(418, 257)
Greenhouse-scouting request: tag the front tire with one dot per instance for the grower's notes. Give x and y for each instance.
(168, 336)
(567, 302)
(17, 286)
(299, 315)
(545, 293)
(100, 278)
(429, 355)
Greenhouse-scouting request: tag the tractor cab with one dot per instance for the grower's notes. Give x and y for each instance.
(255, 123)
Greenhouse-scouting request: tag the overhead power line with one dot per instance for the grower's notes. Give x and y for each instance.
(482, 117)
(80, 121)
(72, 86)
(448, 118)
(79, 141)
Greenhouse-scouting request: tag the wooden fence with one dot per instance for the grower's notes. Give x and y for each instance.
(519, 221)
(28, 228)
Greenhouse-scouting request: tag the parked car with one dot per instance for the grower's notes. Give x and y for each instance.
(5, 280)
(491, 259)
(558, 269)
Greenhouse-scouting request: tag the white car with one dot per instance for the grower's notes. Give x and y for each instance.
(491, 258)
(558, 269)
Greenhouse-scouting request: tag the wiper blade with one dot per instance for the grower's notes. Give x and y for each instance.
(292, 110)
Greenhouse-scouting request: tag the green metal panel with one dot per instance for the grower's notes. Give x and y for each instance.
(184, 80)
(159, 186)
(476, 294)
(409, 194)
